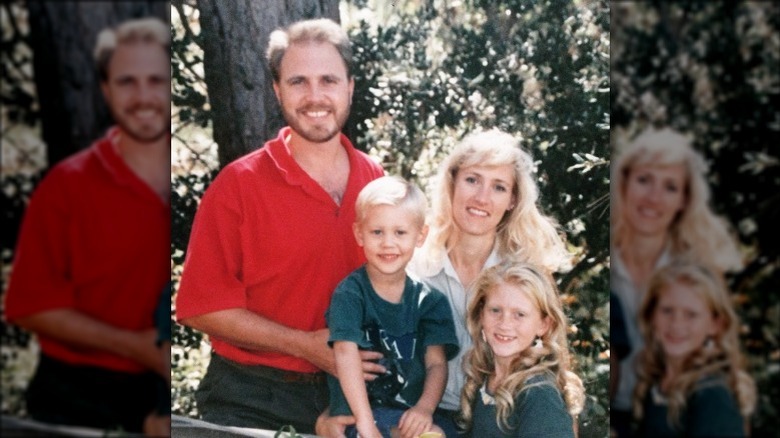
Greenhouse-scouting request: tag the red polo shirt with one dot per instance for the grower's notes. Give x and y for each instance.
(268, 238)
(94, 238)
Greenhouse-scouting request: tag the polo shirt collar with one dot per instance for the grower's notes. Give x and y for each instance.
(118, 171)
(294, 174)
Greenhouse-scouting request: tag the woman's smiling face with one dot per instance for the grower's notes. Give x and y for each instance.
(481, 197)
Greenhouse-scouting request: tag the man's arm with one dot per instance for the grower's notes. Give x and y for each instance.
(246, 329)
(419, 419)
(84, 332)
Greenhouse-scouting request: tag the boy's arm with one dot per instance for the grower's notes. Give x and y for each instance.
(349, 369)
(419, 418)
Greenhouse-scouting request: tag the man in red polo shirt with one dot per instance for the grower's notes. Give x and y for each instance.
(93, 254)
(271, 240)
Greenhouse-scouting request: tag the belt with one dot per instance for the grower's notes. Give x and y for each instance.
(276, 374)
(293, 376)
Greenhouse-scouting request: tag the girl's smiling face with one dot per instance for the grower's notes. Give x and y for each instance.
(682, 321)
(511, 321)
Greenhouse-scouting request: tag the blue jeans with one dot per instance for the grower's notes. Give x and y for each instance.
(387, 418)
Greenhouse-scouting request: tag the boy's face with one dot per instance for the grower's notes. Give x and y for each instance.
(388, 235)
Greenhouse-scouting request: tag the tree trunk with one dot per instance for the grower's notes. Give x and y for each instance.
(62, 37)
(234, 37)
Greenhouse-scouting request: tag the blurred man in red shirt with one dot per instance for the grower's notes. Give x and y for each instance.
(93, 255)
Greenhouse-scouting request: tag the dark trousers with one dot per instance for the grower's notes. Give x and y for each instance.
(255, 396)
(77, 395)
(620, 422)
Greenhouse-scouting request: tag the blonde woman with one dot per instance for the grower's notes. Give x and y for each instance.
(518, 378)
(485, 210)
(659, 212)
(691, 380)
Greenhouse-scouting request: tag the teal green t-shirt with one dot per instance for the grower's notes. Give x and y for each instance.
(539, 412)
(710, 411)
(400, 331)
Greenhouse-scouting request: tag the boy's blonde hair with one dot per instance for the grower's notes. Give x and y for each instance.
(395, 191)
(524, 233)
(722, 357)
(553, 359)
(697, 232)
(143, 30)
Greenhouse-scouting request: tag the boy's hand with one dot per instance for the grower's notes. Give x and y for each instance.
(415, 421)
(367, 429)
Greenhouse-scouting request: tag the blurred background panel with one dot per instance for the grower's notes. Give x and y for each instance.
(711, 71)
(52, 107)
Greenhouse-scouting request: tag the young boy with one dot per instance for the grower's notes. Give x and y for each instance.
(379, 308)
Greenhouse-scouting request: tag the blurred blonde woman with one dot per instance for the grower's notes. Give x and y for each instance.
(691, 378)
(518, 378)
(660, 211)
(485, 210)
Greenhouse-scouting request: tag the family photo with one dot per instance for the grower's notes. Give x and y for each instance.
(419, 218)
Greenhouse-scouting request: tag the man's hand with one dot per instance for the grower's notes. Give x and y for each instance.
(156, 425)
(332, 427)
(142, 348)
(371, 369)
(315, 349)
(321, 355)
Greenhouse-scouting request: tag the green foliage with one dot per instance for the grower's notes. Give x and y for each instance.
(286, 432)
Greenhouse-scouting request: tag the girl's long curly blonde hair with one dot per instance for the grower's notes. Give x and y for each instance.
(553, 359)
(524, 233)
(696, 233)
(722, 356)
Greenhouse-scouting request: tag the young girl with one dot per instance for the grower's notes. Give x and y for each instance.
(518, 381)
(691, 380)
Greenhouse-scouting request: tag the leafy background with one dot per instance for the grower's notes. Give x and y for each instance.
(559, 74)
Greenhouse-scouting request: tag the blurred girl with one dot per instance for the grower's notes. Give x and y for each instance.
(518, 382)
(691, 380)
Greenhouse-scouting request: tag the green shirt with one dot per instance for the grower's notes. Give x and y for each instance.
(710, 411)
(539, 412)
(400, 331)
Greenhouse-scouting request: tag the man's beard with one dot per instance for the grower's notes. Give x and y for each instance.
(140, 133)
(316, 134)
